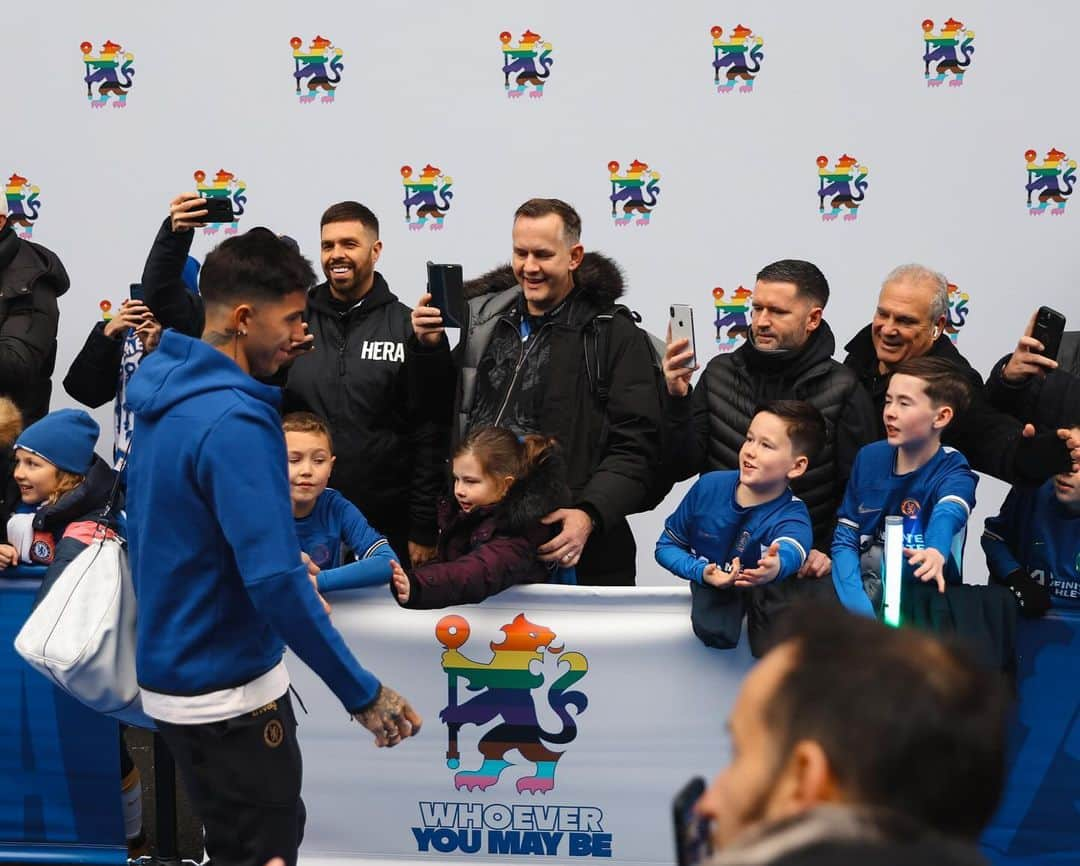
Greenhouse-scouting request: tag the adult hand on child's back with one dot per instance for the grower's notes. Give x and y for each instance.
(421, 553)
(565, 548)
(399, 582)
(817, 565)
(427, 322)
(929, 565)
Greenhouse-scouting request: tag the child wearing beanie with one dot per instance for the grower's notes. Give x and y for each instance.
(65, 487)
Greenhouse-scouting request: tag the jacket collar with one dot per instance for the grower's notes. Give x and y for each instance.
(791, 364)
(379, 296)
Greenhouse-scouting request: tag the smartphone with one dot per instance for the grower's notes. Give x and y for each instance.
(1049, 326)
(446, 287)
(692, 844)
(136, 293)
(682, 327)
(218, 210)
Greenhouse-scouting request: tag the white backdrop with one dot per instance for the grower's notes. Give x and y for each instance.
(423, 84)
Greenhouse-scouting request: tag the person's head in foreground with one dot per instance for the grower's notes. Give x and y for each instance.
(845, 711)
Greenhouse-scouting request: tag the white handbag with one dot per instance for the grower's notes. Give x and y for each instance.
(82, 633)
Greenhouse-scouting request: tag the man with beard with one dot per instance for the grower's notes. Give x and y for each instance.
(349, 370)
(787, 356)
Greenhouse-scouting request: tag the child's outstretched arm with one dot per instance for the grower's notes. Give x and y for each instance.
(673, 545)
(373, 553)
(489, 569)
(846, 568)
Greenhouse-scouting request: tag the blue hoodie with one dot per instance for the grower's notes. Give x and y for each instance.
(214, 553)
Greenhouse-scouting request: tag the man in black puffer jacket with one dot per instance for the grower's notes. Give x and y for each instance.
(787, 356)
(32, 278)
(350, 371)
(536, 335)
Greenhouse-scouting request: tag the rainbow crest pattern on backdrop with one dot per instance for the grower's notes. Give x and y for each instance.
(638, 190)
(837, 182)
(111, 71)
(941, 49)
(732, 318)
(505, 685)
(1053, 181)
(225, 185)
(737, 58)
(22, 205)
(310, 69)
(522, 59)
(430, 194)
(958, 311)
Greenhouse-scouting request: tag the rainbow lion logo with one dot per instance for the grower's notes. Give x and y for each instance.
(311, 63)
(1053, 181)
(942, 48)
(523, 60)
(837, 182)
(958, 311)
(506, 686)
(738, 57)
(22, 205)
(732, 318)
(631, 189)
(421, 193)
(225, 185)
(105, 71)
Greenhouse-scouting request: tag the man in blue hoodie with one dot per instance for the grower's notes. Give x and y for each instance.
(218, 572)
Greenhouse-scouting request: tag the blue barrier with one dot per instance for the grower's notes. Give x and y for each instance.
(1039, 819)
(59, 761)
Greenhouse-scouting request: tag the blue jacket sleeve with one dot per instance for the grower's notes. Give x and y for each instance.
(373, 552)
(673, 546)
(796, 537)
(999, 538)
(267, 551)
(846, 567)
(956, 499)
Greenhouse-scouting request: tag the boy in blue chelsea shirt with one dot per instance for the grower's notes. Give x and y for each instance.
(1033, 546)
(910, 474)
(325, 520)
(736, 530)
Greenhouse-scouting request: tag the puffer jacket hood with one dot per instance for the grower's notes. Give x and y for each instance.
(29, 266)
(599, 279)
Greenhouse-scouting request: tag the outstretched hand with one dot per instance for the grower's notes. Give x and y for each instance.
(399, 582)
(768, 568)
(929, 565)
(716, 576)
(313, 575)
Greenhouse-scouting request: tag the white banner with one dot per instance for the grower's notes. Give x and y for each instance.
(579, 713)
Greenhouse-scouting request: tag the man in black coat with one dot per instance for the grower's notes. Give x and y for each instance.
(32, 278)
(909, 322)
(787, 356)
(349, 371)
(545, 348)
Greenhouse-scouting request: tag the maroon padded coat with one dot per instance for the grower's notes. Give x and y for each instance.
(484, 551)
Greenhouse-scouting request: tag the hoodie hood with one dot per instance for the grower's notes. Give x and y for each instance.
(28, 265)
(598, 279)
(183, 368)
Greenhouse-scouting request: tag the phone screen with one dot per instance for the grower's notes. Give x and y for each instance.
(692, 843)
(446, 286)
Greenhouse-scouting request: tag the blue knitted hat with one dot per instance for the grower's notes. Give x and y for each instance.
(66, 438)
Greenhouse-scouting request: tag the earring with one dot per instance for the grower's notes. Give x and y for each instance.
(243, 333)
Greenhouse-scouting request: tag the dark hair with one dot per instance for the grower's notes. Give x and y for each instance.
(307, 422)
(909, 723)
(945, 383)
(541, 207)
(805, 425)
(351, 211)
(809, 281)
(500, 452)
(256, 265)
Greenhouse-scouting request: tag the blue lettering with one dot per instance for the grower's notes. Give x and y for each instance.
(531, 843)
(580, 844)
(445, 840)
(423, 838)
(504, 842)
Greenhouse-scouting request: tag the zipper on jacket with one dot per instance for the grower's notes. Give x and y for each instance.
(526, 347)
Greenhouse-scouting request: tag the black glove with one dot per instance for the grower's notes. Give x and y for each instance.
(1031, 596)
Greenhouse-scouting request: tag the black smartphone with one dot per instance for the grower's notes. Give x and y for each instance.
(1049, 326)
(692, 844)
(218, 210)
(446, 287)
(136, 293)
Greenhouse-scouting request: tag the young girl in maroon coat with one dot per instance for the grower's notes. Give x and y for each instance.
(489, 533)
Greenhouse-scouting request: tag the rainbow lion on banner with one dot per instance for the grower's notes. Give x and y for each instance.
(507, 686)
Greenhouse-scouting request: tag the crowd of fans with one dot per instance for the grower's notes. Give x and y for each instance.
(282, 439)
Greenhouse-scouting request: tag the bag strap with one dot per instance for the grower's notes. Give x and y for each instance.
(114, 493)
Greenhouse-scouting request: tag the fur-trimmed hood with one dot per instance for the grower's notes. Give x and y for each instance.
(599, 279)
